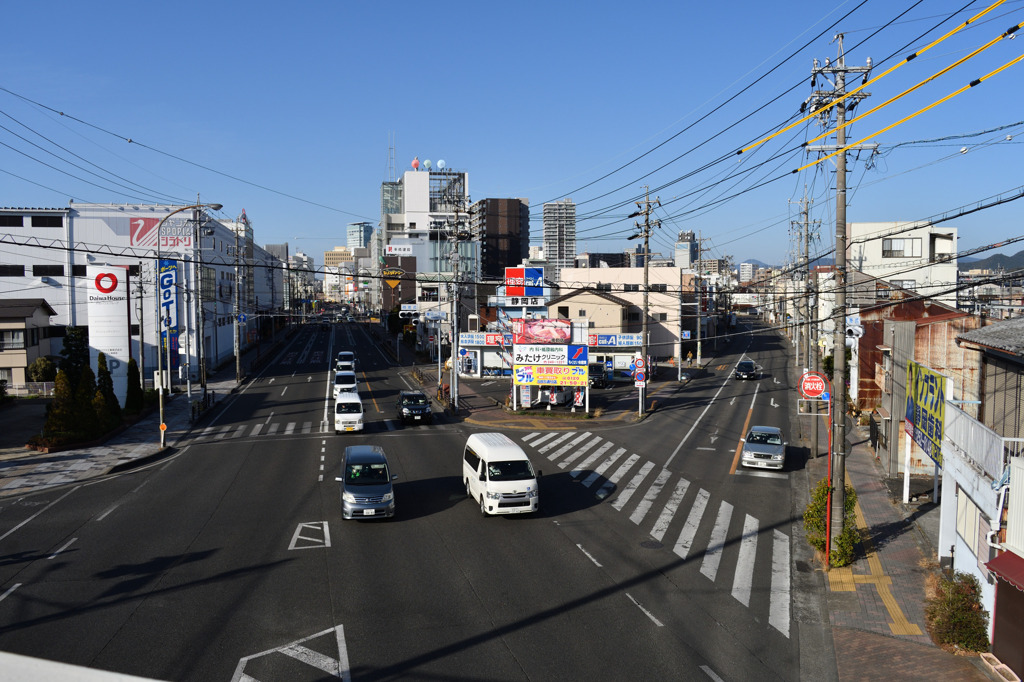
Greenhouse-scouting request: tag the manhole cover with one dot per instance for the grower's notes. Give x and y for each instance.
(651, 544)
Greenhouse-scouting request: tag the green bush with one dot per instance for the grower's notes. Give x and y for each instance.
(955, 615)
(844, 547)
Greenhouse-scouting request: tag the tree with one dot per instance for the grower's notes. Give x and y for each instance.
(75, 355)
(42, 369)
(109, 412)
(60, 418)
(82, 406)
(133, 398)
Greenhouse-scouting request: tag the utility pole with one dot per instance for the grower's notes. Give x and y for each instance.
(237, 312)
(818, 99)
(645, 232)
(700, 293)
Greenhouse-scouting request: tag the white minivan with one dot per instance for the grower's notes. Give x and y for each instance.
(499, 475)
(348, 413)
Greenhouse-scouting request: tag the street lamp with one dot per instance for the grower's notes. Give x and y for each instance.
(160, 335)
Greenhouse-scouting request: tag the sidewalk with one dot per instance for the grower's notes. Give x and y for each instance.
(876, 605)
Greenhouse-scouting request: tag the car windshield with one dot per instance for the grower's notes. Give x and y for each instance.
(366, 474)
(745, 366)
(343, 379)
(348, 408)
(764, 438)
(518, 470)
(414, 400)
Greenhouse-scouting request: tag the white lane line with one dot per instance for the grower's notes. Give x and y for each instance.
(632, 486)
(652, 493)
(709, 449)
(645, 611)
(565, 448)
(778, 611)
(713, 554)
(554, 443)
(589, 556)
(689, 531)
(66, 545)
(661, 525)
(580, 451)
(599, 471)
(8, 592)
(269, 417)
(106, 513)
(687, 436)
(743, 579)
(575, 473)
(284, 390)
(31, 518)
(711, 673)
(609, 485)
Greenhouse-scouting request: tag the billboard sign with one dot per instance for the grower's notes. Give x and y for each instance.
(108, 322)
(550, 375)
(539, 354)
(615, 340)
(399, 249)
(167, 291)
(926, 408)
(544, 331)
(524, 281)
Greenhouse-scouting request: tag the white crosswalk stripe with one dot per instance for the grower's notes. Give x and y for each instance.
(256, 430)
(743, 578)
(273, 429)
(575, 473)
(778, 613)
(610, 483)
(599, 471)
(580, 451)
(641, 510)
(565, 448)
(631, 487)
(669, 512)
(566, 436)
(713, 554)
(289, 429)
(689, 532)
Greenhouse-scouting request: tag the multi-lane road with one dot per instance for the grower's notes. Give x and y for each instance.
(653, 557)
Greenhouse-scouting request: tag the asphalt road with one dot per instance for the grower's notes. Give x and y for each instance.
(230, 560)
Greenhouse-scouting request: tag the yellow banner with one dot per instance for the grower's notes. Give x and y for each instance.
(550, 375)
(926, 408)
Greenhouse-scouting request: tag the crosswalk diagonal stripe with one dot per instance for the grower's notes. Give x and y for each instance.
(661, 525)
(689, 531)
(743, 578)
(713, 554)
(555, 442)
(256, 430)
(289, 429)
(580, 451)
(632, 486)
(778, 608)
(599, 471)
(313, 658)
(273, 429)
(609, 485)
(239, 431)
(575, 473)
(307, 427)
(652, 493)
(565, 448)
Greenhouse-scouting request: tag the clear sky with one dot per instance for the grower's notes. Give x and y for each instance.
(288, 110)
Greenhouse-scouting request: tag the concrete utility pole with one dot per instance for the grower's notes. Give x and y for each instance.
(819, 99)
(645, 232)
(237, 312)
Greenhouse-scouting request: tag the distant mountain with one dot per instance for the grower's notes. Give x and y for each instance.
(996, 262)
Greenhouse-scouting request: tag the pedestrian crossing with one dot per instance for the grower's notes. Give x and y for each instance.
(654, 499)
(219, 432)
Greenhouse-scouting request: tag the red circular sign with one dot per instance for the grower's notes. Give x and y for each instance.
(812, 385)
(106, 276)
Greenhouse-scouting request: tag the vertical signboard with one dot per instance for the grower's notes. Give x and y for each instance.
(108, 322)
(167, 290)
(926, 409)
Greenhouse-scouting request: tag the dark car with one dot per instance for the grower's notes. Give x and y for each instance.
(413, 406)
(746, 369)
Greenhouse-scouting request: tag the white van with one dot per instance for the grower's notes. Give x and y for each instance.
(345, 382)
(348, 413)
(498, 475)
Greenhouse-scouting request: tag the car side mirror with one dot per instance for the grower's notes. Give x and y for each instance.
(483, 477)
(394, 477)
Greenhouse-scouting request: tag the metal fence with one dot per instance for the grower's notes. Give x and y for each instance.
(32, 388)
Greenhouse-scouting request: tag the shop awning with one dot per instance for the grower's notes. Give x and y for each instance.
(1009, 567)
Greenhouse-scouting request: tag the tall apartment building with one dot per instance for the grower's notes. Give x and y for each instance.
(746, 272)
(503, 228)
(358, 235)
(686, 250)
(559, 237)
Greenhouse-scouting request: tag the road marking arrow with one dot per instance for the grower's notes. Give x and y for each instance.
(773, 403)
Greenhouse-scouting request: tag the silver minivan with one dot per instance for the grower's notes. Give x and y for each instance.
(366, 483)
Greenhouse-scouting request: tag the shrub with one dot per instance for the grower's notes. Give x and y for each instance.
(844, 547)
(954, 613)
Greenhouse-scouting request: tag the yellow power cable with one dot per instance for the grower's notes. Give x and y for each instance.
(906, 59)
(974, 53)
(916, 113)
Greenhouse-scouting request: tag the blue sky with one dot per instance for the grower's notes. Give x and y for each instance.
(288, 111)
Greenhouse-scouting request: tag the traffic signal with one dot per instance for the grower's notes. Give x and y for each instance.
(413, 315)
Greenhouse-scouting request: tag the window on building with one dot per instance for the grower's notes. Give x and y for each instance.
(604, 286)
(47, 270)
(631, 287)
(582, 313)
(12, 221)
(909, 247)
(659, 288)
(47, 221)
(662, 317)
(12, 270)
(563, 311)
(78, 270)
(633, 316)
(12, 339)
(904, 283)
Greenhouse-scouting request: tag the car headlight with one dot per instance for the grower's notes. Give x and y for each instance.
(348, 497)
(388, 497)
(406, 410)
(493, 496)
(778, 456)
(533, 493)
